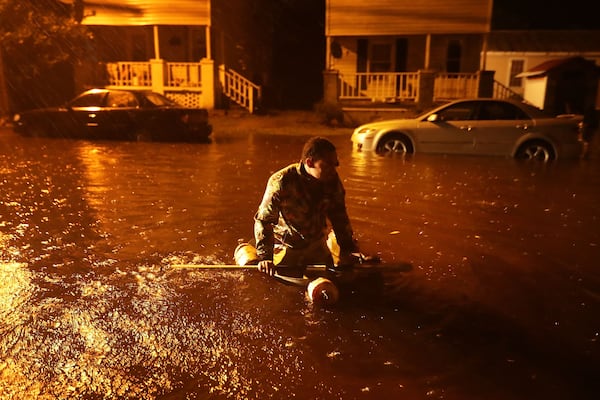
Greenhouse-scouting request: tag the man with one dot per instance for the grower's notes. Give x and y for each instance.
(291, 225)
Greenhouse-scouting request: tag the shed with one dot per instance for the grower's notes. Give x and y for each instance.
(565, 85)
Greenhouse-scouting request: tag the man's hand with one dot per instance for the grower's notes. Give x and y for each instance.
(267, 267)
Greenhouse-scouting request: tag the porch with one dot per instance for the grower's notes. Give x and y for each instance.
(188, 83)
(412, 87)
(368, 96)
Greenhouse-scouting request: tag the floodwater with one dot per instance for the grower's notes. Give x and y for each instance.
(488, 289)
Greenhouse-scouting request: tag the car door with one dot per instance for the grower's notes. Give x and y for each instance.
(498, 126)
(83, 114)
(117, 119)
(448, 130)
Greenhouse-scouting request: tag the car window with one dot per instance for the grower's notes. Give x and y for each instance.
(158, 100)
(458, 112)
(496, 110)
(121, 99)
(95, 99)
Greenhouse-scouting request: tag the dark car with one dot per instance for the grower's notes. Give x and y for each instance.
(477, 126)
(117, 114)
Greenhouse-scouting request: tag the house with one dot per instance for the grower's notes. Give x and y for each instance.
(168, 48)
(405, 51)
(514, 52)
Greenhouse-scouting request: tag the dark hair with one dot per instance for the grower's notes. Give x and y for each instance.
(316, 148)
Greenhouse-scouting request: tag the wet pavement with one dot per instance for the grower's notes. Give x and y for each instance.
(488, 288)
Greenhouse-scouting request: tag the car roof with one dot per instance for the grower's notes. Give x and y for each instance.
(527, 107)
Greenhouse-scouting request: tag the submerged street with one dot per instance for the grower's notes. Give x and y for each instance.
(488, 288)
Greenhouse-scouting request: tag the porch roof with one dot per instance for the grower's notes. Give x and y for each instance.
(145, 12)
(547, 66)
(406, 17)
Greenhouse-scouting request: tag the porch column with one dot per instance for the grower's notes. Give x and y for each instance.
(427, 50)
(208, 42)
(426, 86)
(157, 71)
(330, 86)
(207, 77)
(156, 43)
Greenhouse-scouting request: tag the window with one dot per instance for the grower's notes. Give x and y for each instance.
(453, 56)
(381, 57)
(494, 110)
(464, 111)
(516, 67)
(198, 44)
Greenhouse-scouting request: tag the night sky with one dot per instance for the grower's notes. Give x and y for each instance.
(545, 14)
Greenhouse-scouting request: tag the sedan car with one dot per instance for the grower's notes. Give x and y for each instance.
(477, 126)
(118, 115)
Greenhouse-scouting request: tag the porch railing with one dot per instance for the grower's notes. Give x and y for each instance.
(183, 74)
(178, 74)
(385, 86)
(128, 73)
(239, 89)
(449, 86)
(504, 92)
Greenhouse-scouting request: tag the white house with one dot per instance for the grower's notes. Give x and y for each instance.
(510, 53)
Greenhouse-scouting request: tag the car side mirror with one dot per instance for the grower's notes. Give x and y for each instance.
(433, 118)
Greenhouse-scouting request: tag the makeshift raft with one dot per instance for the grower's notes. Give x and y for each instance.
(321, 281)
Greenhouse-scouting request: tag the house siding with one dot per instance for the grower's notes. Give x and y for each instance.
(470, 45)
(147, 12)
(406, 17)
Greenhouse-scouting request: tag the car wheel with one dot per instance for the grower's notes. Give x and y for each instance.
(394, 144)
(536, 150)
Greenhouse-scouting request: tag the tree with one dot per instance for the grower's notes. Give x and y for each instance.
(39, 40)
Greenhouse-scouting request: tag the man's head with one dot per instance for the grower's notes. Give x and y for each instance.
(319, 157)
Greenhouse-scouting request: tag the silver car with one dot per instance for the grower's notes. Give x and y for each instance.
(477, 126)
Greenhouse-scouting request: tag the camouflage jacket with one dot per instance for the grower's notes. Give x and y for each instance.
(295, 209)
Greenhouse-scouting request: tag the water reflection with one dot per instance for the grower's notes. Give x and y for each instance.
(490, 272)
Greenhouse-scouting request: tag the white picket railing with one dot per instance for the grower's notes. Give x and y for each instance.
(129, 73)
(239, 89)
(377, 87)
(504, 92)
(178, 74)
(404, 86)
(183, 74)
(384, 86)
(449, 86)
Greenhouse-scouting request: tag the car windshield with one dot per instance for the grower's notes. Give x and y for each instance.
(89, 99)
(159, 100)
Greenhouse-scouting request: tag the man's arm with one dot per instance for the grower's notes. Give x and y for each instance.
(264, 220)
